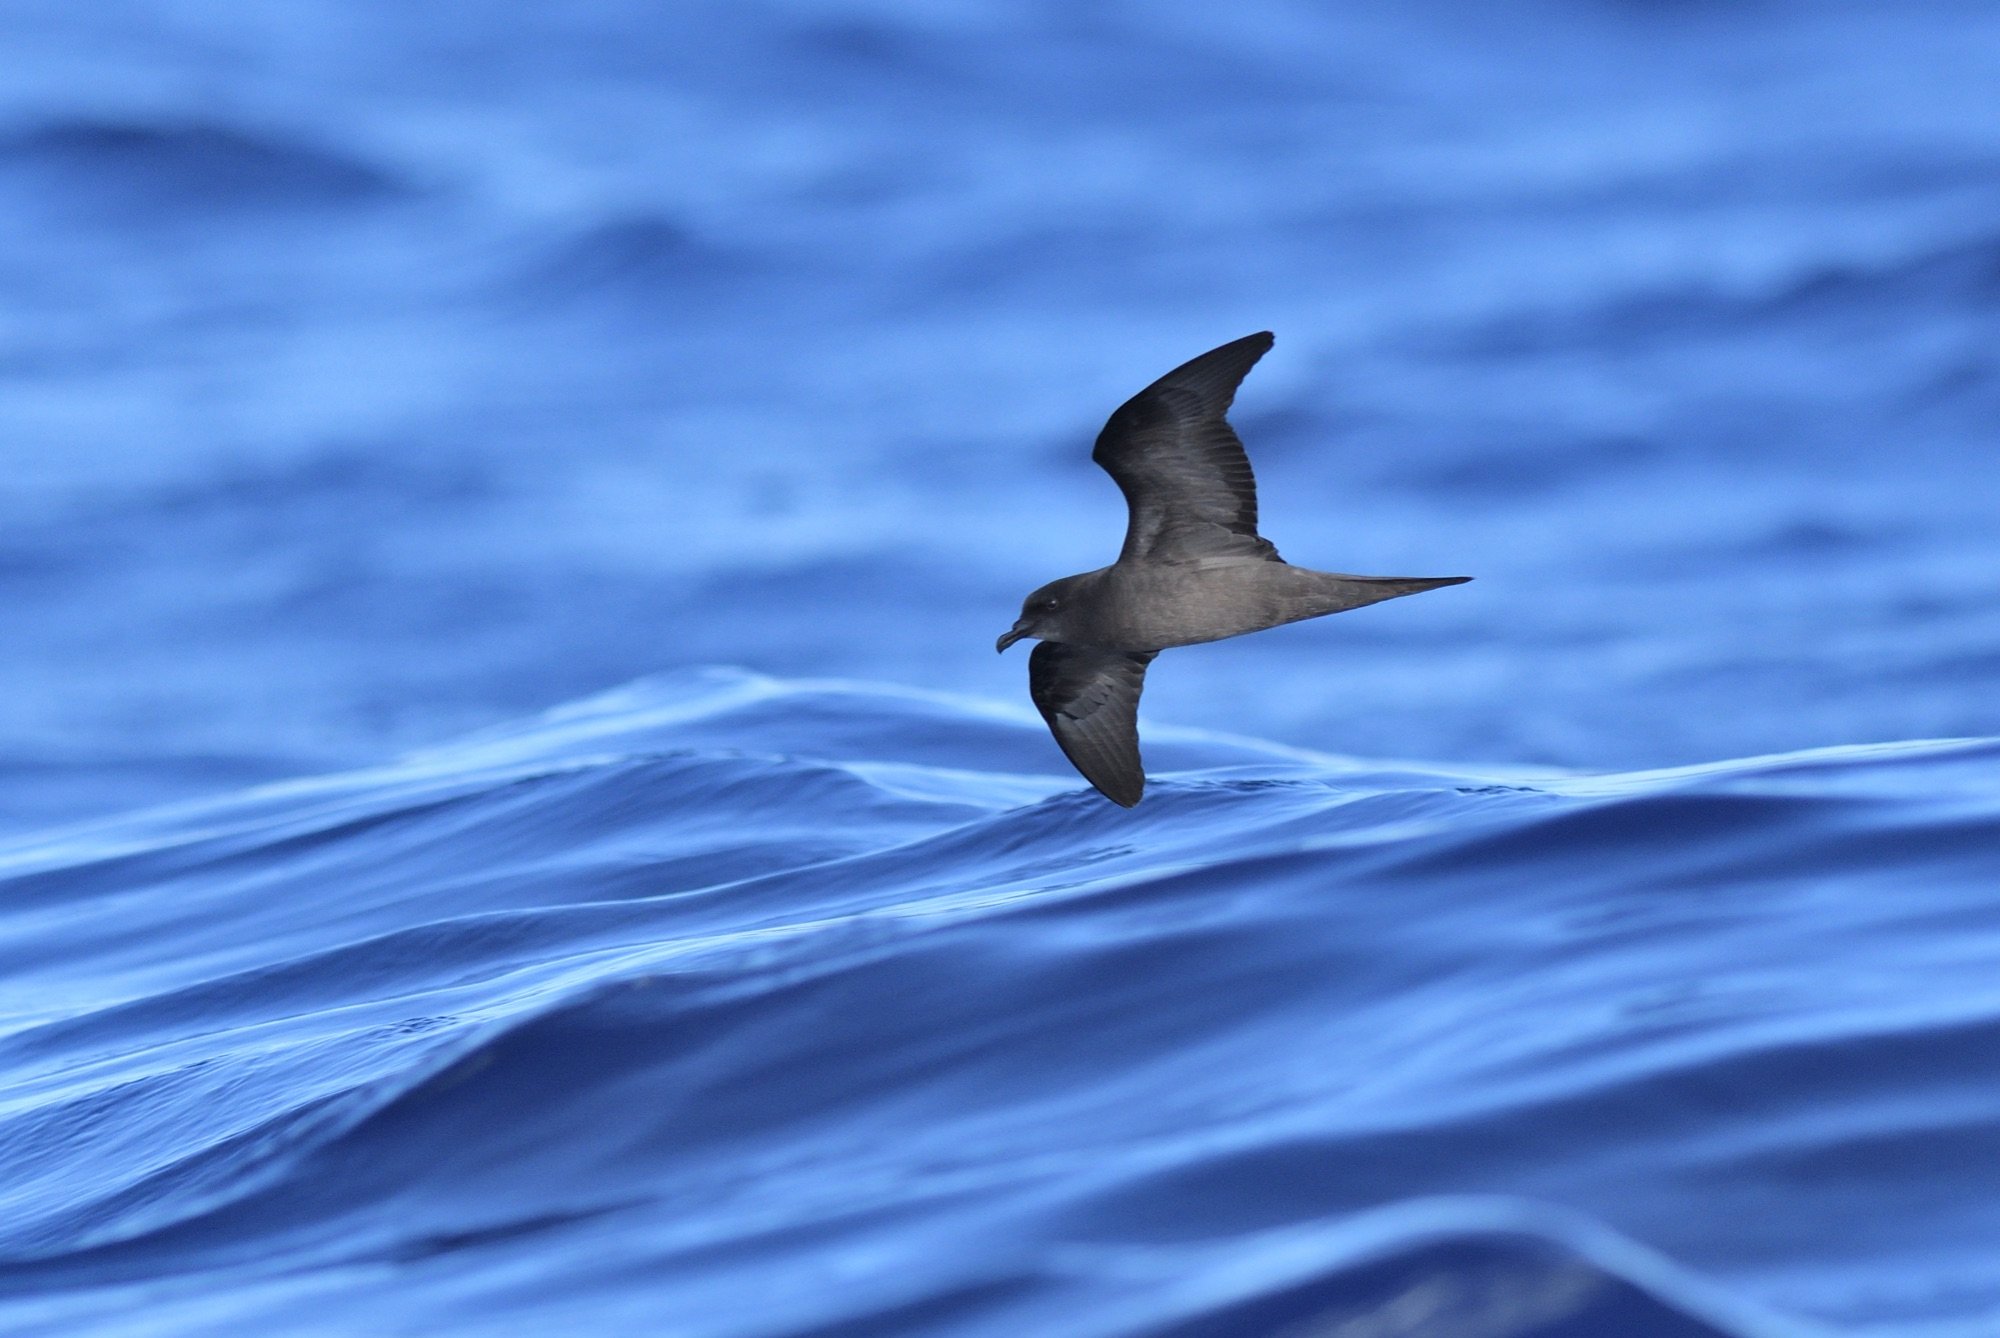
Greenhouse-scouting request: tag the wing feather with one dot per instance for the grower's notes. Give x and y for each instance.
(1091, 700)
(1187, 482)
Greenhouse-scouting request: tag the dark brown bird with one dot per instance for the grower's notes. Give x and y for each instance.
(1193, 569)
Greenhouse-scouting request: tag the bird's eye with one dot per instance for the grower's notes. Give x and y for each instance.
(1050, 604)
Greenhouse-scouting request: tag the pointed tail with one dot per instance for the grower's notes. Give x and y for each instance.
(1336, 592)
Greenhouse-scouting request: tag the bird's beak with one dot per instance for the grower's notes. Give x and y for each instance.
(1011, 635)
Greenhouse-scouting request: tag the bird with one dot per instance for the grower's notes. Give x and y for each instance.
(1193, 568)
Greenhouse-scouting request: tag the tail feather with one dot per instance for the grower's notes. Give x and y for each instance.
(1335, 592)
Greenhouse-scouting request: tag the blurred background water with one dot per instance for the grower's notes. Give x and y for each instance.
(512, 817)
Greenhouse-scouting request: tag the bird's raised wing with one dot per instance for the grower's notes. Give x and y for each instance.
(1185, 478)
(1091, 700)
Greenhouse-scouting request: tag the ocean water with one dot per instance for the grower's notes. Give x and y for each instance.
(510, 821)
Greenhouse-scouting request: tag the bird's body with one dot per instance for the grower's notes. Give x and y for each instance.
(1193, 569)
(1139, 606)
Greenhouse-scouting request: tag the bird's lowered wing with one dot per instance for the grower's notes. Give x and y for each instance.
(1091, 700)
(1186, 480)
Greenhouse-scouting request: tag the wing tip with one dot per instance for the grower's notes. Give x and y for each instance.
(1122, 796)
(1256, 345)
(1122, 781)
(1216, 374)
(1250, 350)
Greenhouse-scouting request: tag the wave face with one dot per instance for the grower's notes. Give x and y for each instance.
(800, 1007)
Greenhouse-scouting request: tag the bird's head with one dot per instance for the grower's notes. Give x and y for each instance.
(1043, 613)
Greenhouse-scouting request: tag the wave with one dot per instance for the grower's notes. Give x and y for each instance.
(718, 983)
(195, 167)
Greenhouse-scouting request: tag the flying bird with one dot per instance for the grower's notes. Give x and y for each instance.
(1193, 569)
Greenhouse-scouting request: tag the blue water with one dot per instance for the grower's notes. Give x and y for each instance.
(510, 821)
